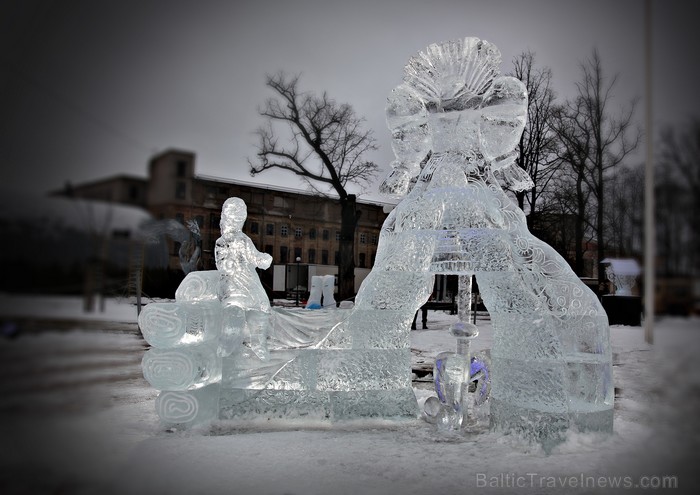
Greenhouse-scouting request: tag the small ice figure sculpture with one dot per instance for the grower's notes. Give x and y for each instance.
(452, 375)
(623, 274)
(314, 300)
(246, 306)
(321, 286)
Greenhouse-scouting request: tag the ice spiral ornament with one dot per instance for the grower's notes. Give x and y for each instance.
(177, 407)
(168, 369)
(181, 323)
(198, 286)
(162, 324)
(188, 407)
(181, 368)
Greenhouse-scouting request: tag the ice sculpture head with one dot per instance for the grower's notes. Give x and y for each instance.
(233, 215)
(453, 73)
(454, 101)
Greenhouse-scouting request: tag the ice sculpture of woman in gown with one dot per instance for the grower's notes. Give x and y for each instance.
(455, 124)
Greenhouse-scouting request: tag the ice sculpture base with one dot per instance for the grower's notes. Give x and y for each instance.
(548, 428)
(298, 382)
(295, 407)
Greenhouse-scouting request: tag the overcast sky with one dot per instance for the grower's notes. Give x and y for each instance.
(90, 89)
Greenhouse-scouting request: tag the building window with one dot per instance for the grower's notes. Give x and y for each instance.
(363, 238)
(337, 258)
(374, 239)
(312, 233)
(180, 218)
(363, 260)
(200, 220)
(324, 257)
(284, 254)
(374, 257)
(245, 196)
(298, 232)
(280, 202)
(133, 192)
(337, 235)
(312, 255)
(213, 221)
(181, 168)
(270, 229)
(284, 231)
(258, 198)
(326, 234)
(297, 253)
(254, 227)
(180, 190)
(269, 249)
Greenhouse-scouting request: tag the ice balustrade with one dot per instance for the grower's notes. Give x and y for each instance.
(455, 123)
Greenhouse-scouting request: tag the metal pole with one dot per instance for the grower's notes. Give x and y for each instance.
(649, 227)
(297, 285)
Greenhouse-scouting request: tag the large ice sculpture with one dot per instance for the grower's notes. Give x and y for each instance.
(551, 355)
(455, 124)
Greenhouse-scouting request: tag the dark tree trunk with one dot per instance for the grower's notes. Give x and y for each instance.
(346, 269)
(579, 229)
(601, 227)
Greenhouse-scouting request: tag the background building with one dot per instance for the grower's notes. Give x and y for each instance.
(288, 225)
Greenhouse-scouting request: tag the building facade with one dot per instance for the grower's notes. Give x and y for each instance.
(293, 227)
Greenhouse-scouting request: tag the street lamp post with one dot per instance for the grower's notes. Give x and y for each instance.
(297, 287)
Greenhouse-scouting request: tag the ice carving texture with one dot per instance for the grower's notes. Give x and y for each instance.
(199, 286)
(220, 350)
(455, 123)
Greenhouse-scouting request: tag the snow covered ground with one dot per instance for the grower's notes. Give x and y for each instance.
(77, 417)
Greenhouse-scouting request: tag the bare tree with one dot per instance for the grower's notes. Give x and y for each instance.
(595, 141)
(537, 149)
(625, 216)
(678, 200)
(571, 189)
(324, 146)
